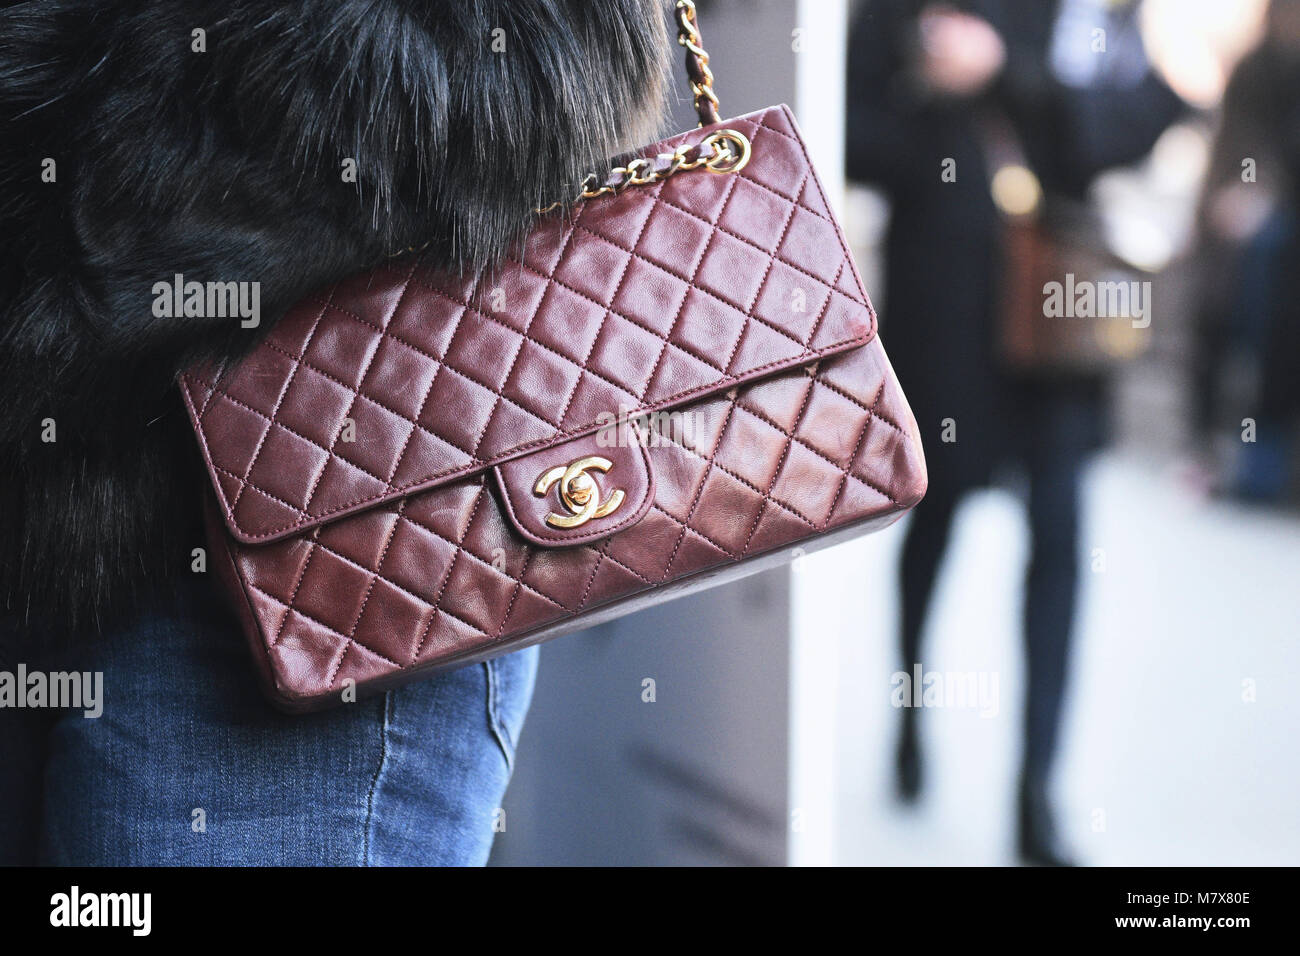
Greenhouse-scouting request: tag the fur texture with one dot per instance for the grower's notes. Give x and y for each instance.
(226, 165)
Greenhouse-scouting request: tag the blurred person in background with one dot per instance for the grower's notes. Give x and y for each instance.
(1249, 249)
(923, 81)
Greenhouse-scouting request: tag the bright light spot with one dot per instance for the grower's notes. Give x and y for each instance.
(1016, 190)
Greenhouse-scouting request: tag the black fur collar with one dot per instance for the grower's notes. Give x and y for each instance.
(221, 156)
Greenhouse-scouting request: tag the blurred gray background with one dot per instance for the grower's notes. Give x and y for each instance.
(770, 739)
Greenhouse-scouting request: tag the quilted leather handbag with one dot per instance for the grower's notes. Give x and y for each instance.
(674, 381)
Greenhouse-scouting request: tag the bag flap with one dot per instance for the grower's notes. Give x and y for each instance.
(405, 377)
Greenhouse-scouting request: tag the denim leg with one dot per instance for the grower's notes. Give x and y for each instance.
(189, 765)
(437, 796)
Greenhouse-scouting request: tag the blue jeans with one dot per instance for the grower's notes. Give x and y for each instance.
(188, 765)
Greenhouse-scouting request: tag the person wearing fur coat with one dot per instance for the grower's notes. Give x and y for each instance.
(146, 139)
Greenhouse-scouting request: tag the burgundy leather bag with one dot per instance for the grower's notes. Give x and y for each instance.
(671, 383)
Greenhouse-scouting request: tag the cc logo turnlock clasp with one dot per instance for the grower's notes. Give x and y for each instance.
(579, 492)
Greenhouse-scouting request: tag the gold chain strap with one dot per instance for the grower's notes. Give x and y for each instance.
(722, 151)
(697, 63)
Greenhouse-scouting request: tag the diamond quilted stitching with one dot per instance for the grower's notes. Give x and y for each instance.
(757, 343)
(309, 649)
(812, 200)
(707, 420)
(488, 348)
(676, 478)
(705, 192)
(447, 515)
(804, 238)
(674, 239)
(369, 548)
(399, 377)
(483, 594)
(540, 376)
(376, 293)
(377, 439)
(725, 494)
(574, 336)
(391, 621)
(732, 270)
(695, 550)
(291, 485)
(881, 449)
(512, 295)
(278, 578)
(446, 635)
(758, 214)
(593, 268)
(752, 450)
(592, 398)
(800, 485)
(313, 404)
(625, 353)
(342, 480)
(377, 317)
(225, 416)
(426, 454)
(332, 588)
(619, 223)
(562, 575)
(838, 309)
(713, 331)
(657, 532)
(792, 303)
(457, 408)
(262, 389)
(511, 421)
(650, 296)
(784, 170)
(359, 663)
(674, 365)
(426, 322)
(610, 580)
(421, 559)
(703, 464)
(342, 349)
(255, 506)
(831, 425)
(778, 527)
(524, 593)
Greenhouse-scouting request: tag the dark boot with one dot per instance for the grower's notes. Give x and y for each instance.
(908, 759)
(1036, 840)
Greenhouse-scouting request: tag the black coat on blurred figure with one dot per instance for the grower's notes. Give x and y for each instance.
(1261, 120)
(939, 320)
(942, 250)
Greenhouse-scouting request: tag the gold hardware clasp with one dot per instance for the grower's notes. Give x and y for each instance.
(733, 150)
(579, 492)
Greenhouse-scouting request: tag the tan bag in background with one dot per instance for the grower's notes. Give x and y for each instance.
(1067, 303)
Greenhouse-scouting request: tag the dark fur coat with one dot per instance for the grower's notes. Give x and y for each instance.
(227, 164)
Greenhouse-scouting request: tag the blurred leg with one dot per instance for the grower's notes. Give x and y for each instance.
(1050, 593)
(1266, 462)
(927, 539)
(1063, 424)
